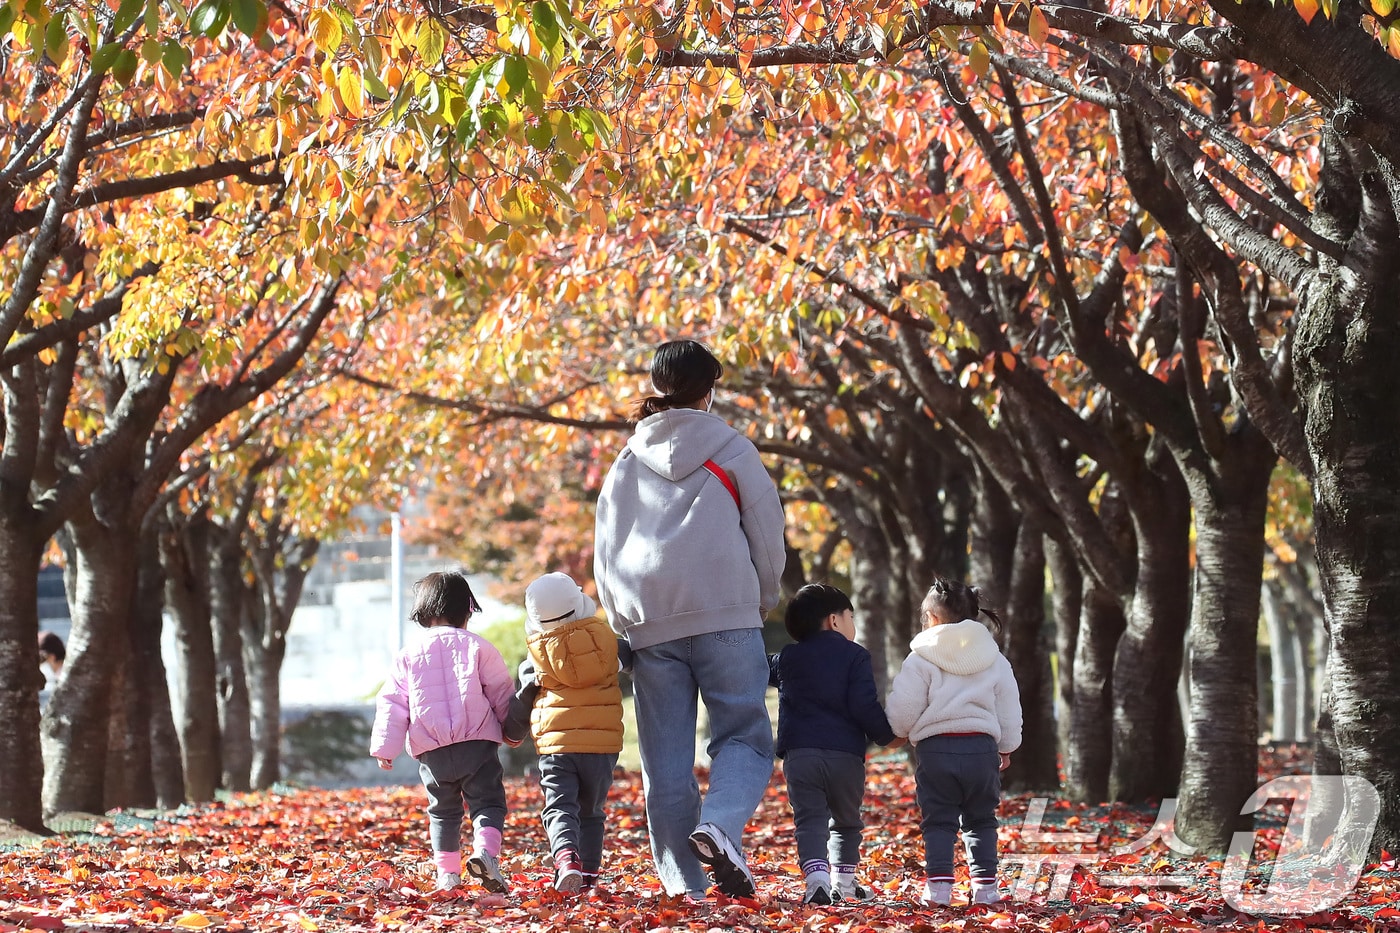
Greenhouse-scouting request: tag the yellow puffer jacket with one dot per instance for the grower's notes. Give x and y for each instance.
(579, 707)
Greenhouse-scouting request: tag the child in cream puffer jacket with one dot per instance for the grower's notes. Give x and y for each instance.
(957, 701)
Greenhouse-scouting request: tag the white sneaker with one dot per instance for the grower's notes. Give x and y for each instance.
(937, 894)
(986, 893)
(712, 846)
(447, 880)
(848, 889)
(818, 888)
(484, 868)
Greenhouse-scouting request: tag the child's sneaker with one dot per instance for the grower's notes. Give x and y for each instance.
(712, 846)
(590, 880)
(847, 889)
(937, 894)
(484, 868)
(985, 892)
(568, 871)
(447, 880)
(818, 888)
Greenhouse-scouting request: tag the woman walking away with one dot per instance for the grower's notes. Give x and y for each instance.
(688, 559)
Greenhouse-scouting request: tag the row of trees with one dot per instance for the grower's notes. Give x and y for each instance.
(1068, 283)
(1048, 286)
(176, 304)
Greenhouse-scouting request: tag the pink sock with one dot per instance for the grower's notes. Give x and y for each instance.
(488, 840)
(449, 861)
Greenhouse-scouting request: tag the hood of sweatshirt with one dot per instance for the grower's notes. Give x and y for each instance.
(674, 443)
(964, 647)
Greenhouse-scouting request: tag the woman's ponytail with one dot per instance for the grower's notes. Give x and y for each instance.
(684, 371)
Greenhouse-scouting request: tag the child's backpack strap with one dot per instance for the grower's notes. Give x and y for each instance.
(723, 477)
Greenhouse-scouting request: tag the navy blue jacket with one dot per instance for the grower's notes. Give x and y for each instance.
(826, 696)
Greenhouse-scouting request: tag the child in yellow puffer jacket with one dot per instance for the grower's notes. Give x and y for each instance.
(575, 717)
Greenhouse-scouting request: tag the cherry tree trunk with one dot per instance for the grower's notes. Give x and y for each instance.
(1089, 757)
(1066, 591)
(1347, 345)
(1148, 737)
(264, 666)
(1027, 641)
(22, 776)
(185, 558)
(1222, 736)
(228, 595)
(148, 618)
(75, 724)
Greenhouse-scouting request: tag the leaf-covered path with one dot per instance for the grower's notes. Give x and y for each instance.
(358, 860)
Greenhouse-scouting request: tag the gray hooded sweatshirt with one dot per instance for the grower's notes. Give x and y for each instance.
(673, 555)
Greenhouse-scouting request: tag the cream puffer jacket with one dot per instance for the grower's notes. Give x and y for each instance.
(956, 680)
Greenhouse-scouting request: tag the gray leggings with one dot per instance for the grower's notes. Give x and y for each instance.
(575, 786)
(452, 774)
(959, 785)
(825, 790)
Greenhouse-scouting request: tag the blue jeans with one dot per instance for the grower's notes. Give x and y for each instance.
(729, 672)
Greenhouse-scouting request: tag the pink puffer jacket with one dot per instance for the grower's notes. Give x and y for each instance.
(451, 687)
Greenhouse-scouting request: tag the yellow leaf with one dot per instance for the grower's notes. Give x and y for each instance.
(1038, 27)
(1306, 9)
(326, 31)
(194, 921)
(461, 213)
(431, 42)
(979, 60)
(352, 92)
(307, 923)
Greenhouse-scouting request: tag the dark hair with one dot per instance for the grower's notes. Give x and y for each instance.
(961, 599)
(809, 608)
(682, 371)
(445, 595)
(49, 643)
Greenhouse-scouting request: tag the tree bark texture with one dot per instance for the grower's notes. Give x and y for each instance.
(1285, 665)
(1066, 591)
(185, 559)
(1348, 344)
(75, 723)
(1222, 735)
(127, 778)
(1027, 641)
(22, 777)
(264, 666)
(228, 597)
(1148, 737)
(993, 542)
(148, 617)
(1089, 756)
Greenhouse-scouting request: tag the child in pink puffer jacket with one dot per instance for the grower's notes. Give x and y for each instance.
(448, 695)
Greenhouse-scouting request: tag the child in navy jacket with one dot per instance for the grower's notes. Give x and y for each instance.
(828, 712)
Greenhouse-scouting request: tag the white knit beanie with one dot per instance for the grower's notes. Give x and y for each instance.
(555, 599)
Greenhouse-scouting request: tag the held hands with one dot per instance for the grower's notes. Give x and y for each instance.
(385, 764)
(1005, 760)
(899, 741)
